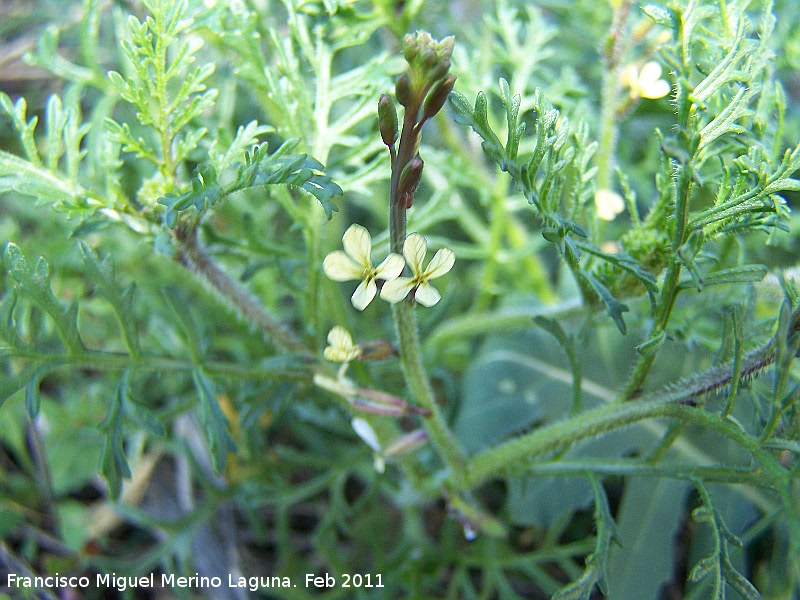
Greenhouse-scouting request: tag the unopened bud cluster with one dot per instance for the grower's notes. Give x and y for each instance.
(422, 91)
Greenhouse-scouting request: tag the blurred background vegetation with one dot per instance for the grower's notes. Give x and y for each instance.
(301, 494)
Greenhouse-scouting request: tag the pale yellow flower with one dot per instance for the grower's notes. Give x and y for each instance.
(608, 204)
(414, 249)
(341, 347)
(647, 82)
(356, 263)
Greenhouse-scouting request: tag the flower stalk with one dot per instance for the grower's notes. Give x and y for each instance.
(422, 91)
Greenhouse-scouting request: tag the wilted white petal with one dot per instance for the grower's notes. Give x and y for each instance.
(395, 290)
(366, 433)
(390, 268)
(608, 204)
(414, 250)
(426, 294)
(364, 294)
(441, 263)
(340, 267)
(357, 243)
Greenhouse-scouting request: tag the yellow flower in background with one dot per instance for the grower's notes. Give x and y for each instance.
(414, 249)
(647, 82)
(608, 204)
(341, 347)
(356, 263)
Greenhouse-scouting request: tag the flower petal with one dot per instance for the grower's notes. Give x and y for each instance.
(395, 290)
(366, 433)
(608, 204)
(341, 348)
(340, 267)
(656, 89)
(650, 73)
(440, 264)
(414, 249)
(357, 243)
(364, 294)
(339, 337)
(390, 268)
(426, 294)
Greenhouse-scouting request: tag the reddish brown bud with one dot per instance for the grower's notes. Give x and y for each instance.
(377, 350)
(387, 120)
(409, 180)
(436, 98)
(402, 90)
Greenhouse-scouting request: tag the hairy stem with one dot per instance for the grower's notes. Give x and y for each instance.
(194, 258)
(417, 381)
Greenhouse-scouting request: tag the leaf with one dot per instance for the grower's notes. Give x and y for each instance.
(716, 538)
(102, 273)
(614, 308)
(660, 14)
(568, 344)
(259, 169)
(742, 274)
(622, 261)
(595, 572)
(647, 519)
(215, 421)
(113, 461)
(34, 282)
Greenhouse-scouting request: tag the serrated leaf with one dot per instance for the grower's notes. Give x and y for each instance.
(11, 384)
(595, 572)
(660, 14)
(179, 304)
(102, 273)
(215, 421)
(554, 328)
(35, 283)
(743, 274)
(625, 262)
(113, 461)
(614, 308)
(260, 169)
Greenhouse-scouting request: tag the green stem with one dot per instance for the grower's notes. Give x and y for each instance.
(604, 419)
(499, 223)
(417, 381)
(609, 103)
(111, 361)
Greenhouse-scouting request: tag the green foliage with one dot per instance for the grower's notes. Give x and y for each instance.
(605, 396)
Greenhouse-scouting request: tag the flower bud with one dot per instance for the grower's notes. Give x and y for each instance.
(429, 57)
(377, 350)
(407, 443)
(402, 90)
(409, 180)
(438, 71)
(445, 47)
(387, 120)
(374, 408)
(436, 98)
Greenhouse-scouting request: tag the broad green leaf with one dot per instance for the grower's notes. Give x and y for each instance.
(647, 521)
